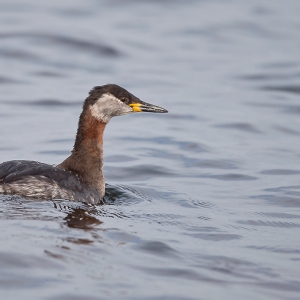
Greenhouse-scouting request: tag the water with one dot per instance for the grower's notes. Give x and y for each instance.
(201, 203)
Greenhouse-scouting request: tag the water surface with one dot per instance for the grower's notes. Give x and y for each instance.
(201, 203)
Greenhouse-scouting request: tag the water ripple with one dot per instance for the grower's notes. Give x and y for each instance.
(216, 237)
(233, 177)
(212, 164)
(239, 126)
(46, 102)
(283, 201)
(133, 173)
(65, 41)
(157, 248)
(294, 89)
(180, 273)
(280, 172)
(270, 223)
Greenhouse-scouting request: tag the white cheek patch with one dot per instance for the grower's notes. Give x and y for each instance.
(108, 106)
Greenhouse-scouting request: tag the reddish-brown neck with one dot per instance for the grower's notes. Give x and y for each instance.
(90, 132)
(86, 159)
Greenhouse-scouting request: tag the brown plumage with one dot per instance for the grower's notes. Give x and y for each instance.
(80, 177)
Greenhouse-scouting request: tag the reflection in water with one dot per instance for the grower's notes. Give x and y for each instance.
(80, 218)
(84, 216)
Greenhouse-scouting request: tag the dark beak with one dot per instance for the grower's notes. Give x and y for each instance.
(146, 107)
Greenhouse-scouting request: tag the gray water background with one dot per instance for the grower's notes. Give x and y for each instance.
(201, 203)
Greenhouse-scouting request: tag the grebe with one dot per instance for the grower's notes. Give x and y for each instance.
(79, 177)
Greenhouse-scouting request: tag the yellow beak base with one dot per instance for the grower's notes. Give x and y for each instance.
(136, 107)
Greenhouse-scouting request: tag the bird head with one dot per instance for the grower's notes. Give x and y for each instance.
(111, 100)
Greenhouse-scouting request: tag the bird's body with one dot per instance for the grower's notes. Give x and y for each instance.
(35, 180)
(80, 177)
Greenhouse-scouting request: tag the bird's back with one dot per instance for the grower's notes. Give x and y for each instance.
(35, 180)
